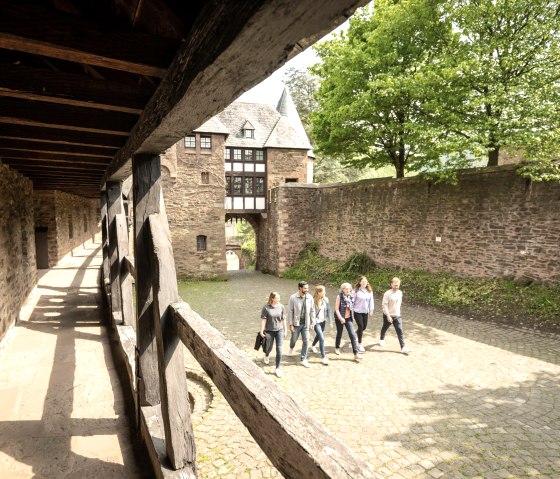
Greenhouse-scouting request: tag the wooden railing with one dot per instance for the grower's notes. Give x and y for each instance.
(295, 443)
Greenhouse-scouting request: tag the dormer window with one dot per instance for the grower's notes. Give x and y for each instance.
(248, 130)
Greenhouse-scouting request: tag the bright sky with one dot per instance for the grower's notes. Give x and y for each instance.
(270, 89)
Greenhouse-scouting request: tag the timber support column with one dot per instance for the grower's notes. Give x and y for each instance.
(114, 209)
(104, 238)
(161, 368)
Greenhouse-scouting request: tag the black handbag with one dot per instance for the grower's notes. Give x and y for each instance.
(259, 342)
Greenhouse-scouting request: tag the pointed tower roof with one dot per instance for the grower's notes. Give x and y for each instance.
(288, 110)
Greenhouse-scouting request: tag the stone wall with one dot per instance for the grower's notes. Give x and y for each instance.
(77, 220)
(286, 164)
(196, 208)
(18, 272)
(492, 224)
(71, 220)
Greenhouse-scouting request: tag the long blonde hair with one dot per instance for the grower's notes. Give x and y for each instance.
(271, 296)
(318, 289)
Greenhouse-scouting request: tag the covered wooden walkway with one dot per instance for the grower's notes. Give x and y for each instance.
(62, 412)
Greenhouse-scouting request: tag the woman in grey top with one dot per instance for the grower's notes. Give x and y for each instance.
(273, 325)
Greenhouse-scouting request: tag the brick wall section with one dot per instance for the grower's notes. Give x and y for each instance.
(492, 224)
(286, 163)
(194, 208)
(18, 271)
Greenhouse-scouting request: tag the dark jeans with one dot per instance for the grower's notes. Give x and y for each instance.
(397, 323)
(320, 337)
(349, 324)
(304, 337)
(278, 338)
(361, 322)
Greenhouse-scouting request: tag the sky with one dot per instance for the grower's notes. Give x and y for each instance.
(270, 89)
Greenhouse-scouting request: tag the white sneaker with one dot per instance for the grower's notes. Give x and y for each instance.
(266, 360)
(381, 342)
(361, 349)
(314, 349)
(336, 350)
(305, 363)
(357, 358)
(278, 373)
(405, 350)
(325, 361)
(291, 351)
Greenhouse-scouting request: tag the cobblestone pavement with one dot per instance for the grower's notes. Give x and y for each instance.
(472, 400)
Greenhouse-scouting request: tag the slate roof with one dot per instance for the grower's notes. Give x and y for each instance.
(273, 128)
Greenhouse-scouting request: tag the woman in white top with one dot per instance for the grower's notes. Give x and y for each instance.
(322, 314)
(363, 307)
(391, 305)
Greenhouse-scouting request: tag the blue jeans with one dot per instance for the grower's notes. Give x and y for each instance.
(278, 338)
(304, 337)
(397, 323)
(349, 324)
(320, 337)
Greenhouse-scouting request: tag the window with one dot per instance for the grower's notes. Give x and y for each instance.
(236, 154)
(237, 185)
(190, 141)
(248, 155)
(248, 185)
(259, 156)
(205, 178)
(205, 142)
(201, 243)
(228, 185)
(70, 227)
(228, 154)
(259, 185)
(248, 133)
(85, 223)
(291, 180)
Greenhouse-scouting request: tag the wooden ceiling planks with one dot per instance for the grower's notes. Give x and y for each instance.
(85, 85)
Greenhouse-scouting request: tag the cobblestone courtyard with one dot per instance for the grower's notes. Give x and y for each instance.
(473, 400)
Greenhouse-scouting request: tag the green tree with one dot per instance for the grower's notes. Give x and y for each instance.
(507, 65)
(379, 86)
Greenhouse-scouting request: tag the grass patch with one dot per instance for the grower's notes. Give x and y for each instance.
(483, 297)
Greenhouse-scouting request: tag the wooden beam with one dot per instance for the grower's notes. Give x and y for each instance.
(55, 148)
(25, 112)
(114, 209)
(38, 165)
(58, 136)
(146, 173)
(232, 46)
(105, 237)
(62, 157)
(74, 38)
(294, 442)
(175, 408)
(69, 89)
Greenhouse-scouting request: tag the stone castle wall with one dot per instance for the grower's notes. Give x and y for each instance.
(18, 271)
(71, 220)
(195, 207)
(286, 164)
(493, 223)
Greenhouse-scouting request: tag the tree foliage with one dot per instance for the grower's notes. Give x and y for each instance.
(433, 85)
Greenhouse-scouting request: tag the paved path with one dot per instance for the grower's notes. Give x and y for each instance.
(473, 400)
(61, 406)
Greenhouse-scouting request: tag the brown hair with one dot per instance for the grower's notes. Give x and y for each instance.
(357, 287)
(271, 296)
(318, 289)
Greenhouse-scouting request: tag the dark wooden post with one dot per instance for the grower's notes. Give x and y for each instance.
(156, 285)
(145, 183)
(104, 237)
(114, 209)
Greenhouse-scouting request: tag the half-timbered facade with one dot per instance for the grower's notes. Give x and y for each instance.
(226, 167)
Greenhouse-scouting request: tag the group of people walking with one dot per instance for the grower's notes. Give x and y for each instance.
(306, 312)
